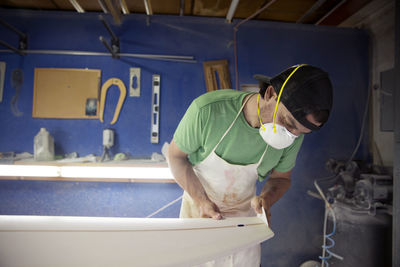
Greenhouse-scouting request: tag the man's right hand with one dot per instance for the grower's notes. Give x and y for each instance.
(184, 175)
(209, 209)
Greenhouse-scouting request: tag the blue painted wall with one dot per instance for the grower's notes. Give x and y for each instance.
(263, 47)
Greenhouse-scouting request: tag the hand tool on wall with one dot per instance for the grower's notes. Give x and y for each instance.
(17, 80)
(155, 114)
(134, 82)
(104, 89)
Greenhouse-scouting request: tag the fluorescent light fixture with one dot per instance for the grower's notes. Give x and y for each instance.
(77, 6)
(112, 172)
(116, 172)
(29, 170)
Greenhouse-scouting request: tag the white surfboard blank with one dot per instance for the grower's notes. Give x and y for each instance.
(44, 241)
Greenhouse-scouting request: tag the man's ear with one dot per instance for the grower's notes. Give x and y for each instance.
(270, 93)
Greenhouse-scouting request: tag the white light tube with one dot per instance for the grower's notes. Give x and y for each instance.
(29, 171)
(116, 172)
(147, 173)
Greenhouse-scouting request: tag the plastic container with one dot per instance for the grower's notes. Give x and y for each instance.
(43, 147)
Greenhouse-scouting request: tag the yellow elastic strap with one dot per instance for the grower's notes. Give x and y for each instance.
(279, 96)
(258, 111)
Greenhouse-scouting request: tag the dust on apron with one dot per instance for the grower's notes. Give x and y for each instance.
(231, 187)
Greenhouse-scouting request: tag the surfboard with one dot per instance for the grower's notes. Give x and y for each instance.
(41, 241)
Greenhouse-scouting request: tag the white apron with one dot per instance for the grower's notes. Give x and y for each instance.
(231, 187)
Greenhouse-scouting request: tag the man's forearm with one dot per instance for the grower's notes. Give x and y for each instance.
(187, 179)
(274, 189)
(184, 175)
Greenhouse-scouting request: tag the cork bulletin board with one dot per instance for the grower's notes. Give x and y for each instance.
(66, 93)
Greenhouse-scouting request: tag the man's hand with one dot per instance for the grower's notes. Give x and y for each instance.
(276, 185)
(184, 175)
(209, 209)
(258, 203)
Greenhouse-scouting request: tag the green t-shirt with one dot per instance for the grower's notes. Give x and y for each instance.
(207, 119)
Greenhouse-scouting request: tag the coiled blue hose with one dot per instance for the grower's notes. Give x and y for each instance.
(326, 247)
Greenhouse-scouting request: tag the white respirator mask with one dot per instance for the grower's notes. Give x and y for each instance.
(280, 139)
(273, 134)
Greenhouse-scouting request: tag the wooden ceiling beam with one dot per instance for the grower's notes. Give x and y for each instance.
(330, 12)
(182, 8)
(312, 9)
(149, 9)
(103, 6)
(124, 7)
(342, 11)
(232, 10)
(113, 7)
(77, 6)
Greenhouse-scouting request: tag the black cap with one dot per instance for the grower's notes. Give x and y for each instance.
(308, 90)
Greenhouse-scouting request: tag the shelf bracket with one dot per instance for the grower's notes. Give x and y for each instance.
(23, 39)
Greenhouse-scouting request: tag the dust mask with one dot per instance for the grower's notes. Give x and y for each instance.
(273, 134)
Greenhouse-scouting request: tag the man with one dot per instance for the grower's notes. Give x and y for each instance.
(227, 139)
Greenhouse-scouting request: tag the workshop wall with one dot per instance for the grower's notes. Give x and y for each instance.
(263, 47)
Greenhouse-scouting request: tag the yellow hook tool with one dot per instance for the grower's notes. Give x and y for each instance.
(121, 99)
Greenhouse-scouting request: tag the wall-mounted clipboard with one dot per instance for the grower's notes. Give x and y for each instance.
(66, 93)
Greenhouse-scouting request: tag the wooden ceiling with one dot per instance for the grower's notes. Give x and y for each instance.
(322, 12)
